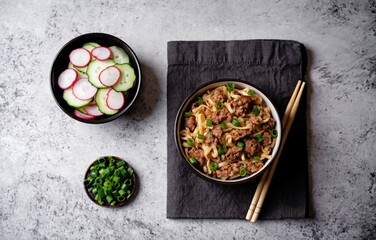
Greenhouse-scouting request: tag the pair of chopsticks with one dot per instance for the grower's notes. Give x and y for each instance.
(263, 186)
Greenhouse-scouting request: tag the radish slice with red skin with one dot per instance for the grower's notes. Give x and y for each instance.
(80, 57)
(83, 89)
(82, 115)
(92, 110)
(115, 100)
(110, 76)
(67, 78)
(101, 53)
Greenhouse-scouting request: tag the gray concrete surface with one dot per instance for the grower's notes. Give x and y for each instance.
(44, 153)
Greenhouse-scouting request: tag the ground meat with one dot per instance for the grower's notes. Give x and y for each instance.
(198, 154)
(218, 116)
(251, 146)
(266, 139)
(217, 131)
(209, 140)
(253, 119)
(254, 166)
(239, 133)
(190, 123)
(269, 124)
(219, 96)
(234, 153)
(241, 106)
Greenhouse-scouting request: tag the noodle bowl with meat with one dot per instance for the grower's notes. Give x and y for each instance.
(229, 132)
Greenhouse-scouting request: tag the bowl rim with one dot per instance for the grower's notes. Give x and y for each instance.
(200, 173)
(134, 179)
(137, 89)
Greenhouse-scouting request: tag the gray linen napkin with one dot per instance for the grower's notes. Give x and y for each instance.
(272, 65)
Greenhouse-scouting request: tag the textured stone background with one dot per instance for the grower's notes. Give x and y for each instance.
(44, 153)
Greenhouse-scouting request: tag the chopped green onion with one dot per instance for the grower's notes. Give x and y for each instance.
(235, 122)
(243, 171)
(199, 100)
(240, 144)
(230, 87)
(120, 198)
(256, 158)
(113, 203)
(128, 182)
(213, 166)
(190, 142)
(258, 137)
(256, 111)
(87, 182)
(200, 136)
(121, 192)
(209, 122)
(223, 125)
(120, 163)
(250, 93)
(210, 136)
(187, 114)
(115, 179)
(193, 160)
(222, 149)
(130, 171)
(101, 160)
(274, 133)
(218, 105)
(100, 193)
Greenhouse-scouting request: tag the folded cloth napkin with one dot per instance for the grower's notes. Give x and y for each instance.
(274, 66)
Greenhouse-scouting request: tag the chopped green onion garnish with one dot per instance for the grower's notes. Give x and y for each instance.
(230, 87)
(213, 166)
(250, 93)
(222, 149)
(199, 100)
(240, 144)
(258, 137)
(223, 125)
(256, 158)
(200, 136)
(193, 161)
(190, 142)
(210, 135)
(274, 133)
(218, 105)
(256, 111)
(209, 122)
(235, 122)
(187, 114)
(243, 171)
(108, 180)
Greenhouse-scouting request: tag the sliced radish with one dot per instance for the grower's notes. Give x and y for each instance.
(80, 57)
(110, 76)
(115, 100)
(101, 53)
(82, 115)
(92, 110)
(67, 78)
(83, 89)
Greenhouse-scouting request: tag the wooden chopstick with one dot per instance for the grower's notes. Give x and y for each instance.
(264, 183)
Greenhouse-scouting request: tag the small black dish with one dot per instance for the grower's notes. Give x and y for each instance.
(61, 62)
(134, 187)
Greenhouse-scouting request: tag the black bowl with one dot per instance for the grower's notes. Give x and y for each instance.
(61, 62)
(192, 98)
(134, 189)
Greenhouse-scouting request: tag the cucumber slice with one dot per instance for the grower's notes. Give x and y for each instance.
(127, 80)
(119, 55)
(94, 44)
(72, 100)
(100, 99)
(81, 71)
(95, 68)
(89, 46)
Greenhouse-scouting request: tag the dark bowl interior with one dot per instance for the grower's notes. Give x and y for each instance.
(134, 189)
(192, 98)
(62, 60)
